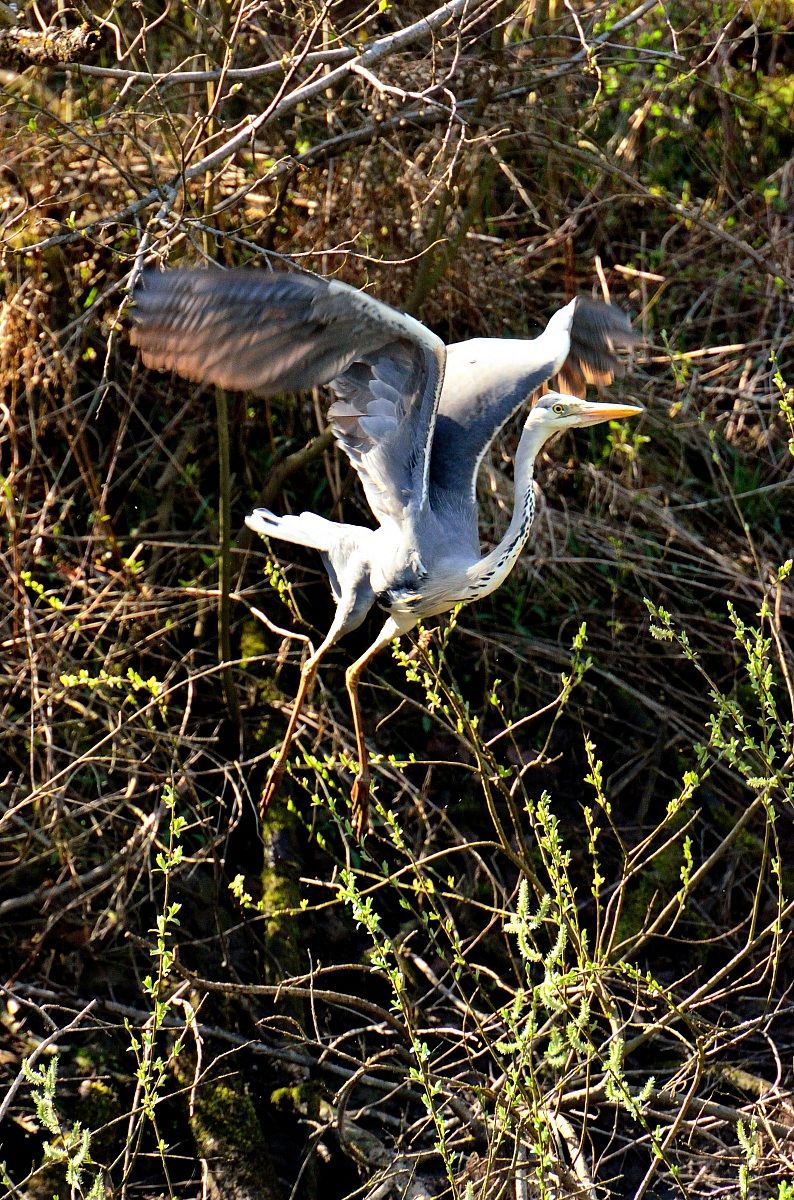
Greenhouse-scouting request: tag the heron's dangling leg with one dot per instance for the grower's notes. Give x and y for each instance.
(360, 793)
(354, 600)
(308, 672)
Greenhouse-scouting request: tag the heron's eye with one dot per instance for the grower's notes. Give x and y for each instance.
(559, 409)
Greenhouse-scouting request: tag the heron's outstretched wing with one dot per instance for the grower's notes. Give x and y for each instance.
(271, 332)
(487, 379)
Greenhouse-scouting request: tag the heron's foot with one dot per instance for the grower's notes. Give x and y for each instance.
(360, 805)
(275, 775)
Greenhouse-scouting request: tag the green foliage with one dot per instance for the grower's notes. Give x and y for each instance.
(385, 958)
(69, 1146)
(152, 1062)
(785, 401)
(754, 738)
(130, 684)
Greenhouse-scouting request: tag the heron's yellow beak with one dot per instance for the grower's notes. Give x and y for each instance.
(593, 413)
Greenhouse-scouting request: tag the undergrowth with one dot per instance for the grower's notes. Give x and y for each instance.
(560, 964)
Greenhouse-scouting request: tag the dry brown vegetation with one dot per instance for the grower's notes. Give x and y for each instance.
(561, 964)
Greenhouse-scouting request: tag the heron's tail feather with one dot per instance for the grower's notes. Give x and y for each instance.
(305, 529)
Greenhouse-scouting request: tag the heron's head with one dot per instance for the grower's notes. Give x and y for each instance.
(556, 411)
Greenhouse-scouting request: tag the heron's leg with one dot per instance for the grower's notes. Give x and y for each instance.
(308, 672)
(360, 793)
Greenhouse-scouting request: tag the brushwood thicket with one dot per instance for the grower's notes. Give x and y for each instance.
(560, 964)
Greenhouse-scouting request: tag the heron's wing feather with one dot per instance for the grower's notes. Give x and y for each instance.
(598, 333)
(272, 332)
(384, 417)
(487, 380)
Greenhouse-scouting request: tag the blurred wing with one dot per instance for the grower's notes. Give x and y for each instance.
(598, 333)
(272, 332)
(488, 379)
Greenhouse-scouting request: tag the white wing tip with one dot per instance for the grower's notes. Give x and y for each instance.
(261, 520)
(564, 315)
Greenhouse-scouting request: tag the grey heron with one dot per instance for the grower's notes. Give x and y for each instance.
(415, 418)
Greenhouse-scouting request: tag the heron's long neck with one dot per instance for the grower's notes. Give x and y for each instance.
(489, 572)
